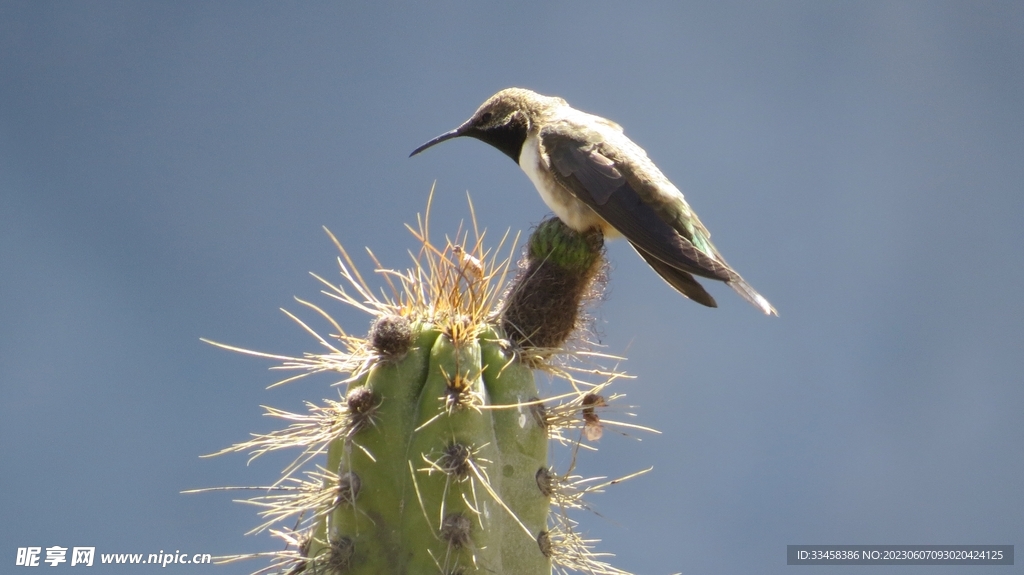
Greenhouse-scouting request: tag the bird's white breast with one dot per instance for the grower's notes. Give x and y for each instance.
(573, 212)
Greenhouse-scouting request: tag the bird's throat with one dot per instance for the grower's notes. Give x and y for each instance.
(508, 138)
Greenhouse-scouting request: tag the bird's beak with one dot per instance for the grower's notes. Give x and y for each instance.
(460, 131)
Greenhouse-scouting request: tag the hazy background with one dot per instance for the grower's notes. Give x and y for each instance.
(165, 170)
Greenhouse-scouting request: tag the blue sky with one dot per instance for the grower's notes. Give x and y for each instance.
(166, 168)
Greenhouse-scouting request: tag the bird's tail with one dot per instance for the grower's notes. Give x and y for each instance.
(750, 294)
(678, 279)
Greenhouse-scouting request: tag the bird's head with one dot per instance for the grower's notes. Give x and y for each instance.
(503, 121)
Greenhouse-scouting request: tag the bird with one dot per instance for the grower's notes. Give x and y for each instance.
(592, 176)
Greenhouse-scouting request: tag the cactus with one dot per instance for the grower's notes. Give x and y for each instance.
(437, 455)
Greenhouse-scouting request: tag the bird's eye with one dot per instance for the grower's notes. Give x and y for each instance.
(486, 117)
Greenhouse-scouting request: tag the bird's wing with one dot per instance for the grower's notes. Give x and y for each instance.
(607, 188)
(678, 279)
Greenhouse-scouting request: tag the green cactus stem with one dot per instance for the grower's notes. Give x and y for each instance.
(446, 468)
(437, 455)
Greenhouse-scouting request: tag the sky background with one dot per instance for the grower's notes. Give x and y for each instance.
(166, 170)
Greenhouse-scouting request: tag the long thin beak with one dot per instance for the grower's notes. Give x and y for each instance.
(460, 131)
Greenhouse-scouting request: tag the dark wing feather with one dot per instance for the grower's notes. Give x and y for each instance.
(598, 182)
(678, 279)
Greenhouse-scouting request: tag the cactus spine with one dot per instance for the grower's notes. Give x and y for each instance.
(437, 455)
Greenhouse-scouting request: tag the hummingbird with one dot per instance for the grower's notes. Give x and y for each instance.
(592, 176)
